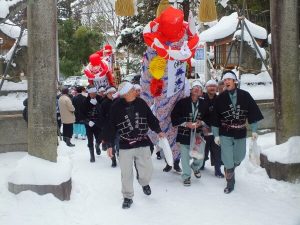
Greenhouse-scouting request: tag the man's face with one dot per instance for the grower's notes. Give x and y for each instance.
(197, 91)
(130, 95)
(101, 93)
(138, 92)
(229, 84)
(110, 94)
(211, 89)
(92, 95)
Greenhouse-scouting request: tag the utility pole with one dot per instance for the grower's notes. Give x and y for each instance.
(42, 71)
(285, 56)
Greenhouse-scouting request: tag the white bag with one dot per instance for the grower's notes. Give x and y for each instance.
(164, 144)
(254, 153)
(197, 145)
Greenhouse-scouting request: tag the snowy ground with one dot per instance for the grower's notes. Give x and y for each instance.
(96, 198)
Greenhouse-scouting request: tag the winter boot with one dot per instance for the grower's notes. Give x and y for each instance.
(158, 156)
(92, 155)
(113, 162)
(187, 182)
(68, 142)
(127, 203)
(167, 168)
(97, 147)
(218, 172)
(202, 167)
(177, 167)
(229, 174)
(147, 190)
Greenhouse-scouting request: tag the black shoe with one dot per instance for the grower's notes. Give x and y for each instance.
(230, 178)
(97, 147)
(147, 190)
(197, 173)
(68, 142)
(127, 203)
(167, 168)
(158, 156)
(113, 162)
(218, 173)
(92, 155)
(92, 159)
(228, 190)
(177, 167)
(187, 182)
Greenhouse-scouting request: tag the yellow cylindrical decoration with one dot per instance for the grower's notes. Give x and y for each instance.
(207, 11)
(124, 7)
(157, 67)
(162, 6)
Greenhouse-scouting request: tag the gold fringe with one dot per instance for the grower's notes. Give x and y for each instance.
(124, 7)
(162, 6)
(207, 11)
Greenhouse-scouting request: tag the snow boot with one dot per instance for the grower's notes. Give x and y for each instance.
(177, 167)
(127, 203)
(229, 174)
(113, 162)
(167, 168)
(197, 173)
(68, 142)
(187, 182)
(92, 155)
(97, 147)
(147, 190)
(158, 156)
(218, 172)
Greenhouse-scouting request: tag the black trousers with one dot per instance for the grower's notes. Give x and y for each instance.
(92, 132)
(214, 149)
(68, 130)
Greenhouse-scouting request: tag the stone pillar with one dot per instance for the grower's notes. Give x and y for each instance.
(285, 68)
(42, 69)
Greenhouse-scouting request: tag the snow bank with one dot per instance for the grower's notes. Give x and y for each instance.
(36, 171)
(4, 6)
(9, 86)
(288, 152)
(227, 26)
(13, 101)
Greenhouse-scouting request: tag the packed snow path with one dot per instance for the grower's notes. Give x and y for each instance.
(96, 197)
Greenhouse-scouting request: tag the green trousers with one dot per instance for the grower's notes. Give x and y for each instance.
(185, 162)
(233, 151)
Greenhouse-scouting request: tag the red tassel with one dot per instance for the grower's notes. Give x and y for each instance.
(156, 87)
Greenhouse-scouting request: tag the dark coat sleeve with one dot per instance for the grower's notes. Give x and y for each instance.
(177, 116)
(254, 113)
(216, 117)
(109, 129)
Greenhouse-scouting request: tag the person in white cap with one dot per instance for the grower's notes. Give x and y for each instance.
(132, 118)
(101, 92)
(138, 89)
(92, 121)
(104, 119)
(232, 109)
(210, 146)
(187, 115)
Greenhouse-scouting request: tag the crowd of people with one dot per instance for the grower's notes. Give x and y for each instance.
(120, 120)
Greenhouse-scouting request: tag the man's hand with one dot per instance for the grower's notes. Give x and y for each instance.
(161, 135)
(110, 152)
(91, 123)
(217, 141)
(254, 136)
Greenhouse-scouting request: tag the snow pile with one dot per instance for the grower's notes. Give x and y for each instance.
(13, 101)
(8, 85)
(12, 30)
(4, 7)
(36, 171)
(288, 152)
(227, 26)
(260, 86)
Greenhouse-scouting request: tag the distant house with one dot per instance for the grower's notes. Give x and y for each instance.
(222, 35)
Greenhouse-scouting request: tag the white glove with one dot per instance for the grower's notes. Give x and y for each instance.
(217, 141)
(254, 136)
(91, 123)
(93, 101)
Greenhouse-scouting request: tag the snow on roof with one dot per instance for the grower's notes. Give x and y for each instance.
(287, 152)
(12, 30)
(227, 26)
(4, 7)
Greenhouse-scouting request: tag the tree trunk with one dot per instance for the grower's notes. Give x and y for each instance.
(42, 69)
(285, 68)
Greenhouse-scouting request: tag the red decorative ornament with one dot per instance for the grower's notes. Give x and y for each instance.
(156, 87)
